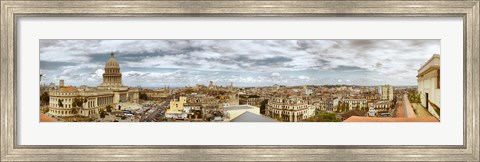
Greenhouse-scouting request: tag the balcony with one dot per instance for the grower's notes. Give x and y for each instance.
(432, 64)
(434, 107)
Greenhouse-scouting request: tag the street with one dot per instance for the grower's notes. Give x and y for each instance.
(159, 109)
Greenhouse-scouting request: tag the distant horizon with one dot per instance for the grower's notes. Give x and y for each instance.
(252, 86)
(247, 63)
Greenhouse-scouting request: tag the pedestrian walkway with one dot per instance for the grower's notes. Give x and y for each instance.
(420, 110)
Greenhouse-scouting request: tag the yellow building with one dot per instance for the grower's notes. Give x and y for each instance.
(176, 108)
(429, 85)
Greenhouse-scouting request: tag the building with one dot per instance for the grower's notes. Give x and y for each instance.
(308, 92)
(253, 100)
(355, 103)
(372, 112)
(62, 83)
(252, 117)
(429, 85)
(351, 113)
(178, 104)
(327, 105)
(92, 99)
(194, 110)
(382, 106)
(112, 76)
(291, 109)
(177, 109)
(157, 94)
(210, 85)
(385, 92)
(232, 112)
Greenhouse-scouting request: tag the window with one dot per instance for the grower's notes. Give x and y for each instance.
(438, 78)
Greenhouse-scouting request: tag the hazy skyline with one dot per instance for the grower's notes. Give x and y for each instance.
(178, 63)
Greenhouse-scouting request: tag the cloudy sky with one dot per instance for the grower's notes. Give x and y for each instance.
(178, 63)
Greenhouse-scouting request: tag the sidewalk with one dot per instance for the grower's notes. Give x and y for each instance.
(420, 110)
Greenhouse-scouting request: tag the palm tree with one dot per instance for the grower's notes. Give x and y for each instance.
(74, 111)
(109, 108)
(102, 113)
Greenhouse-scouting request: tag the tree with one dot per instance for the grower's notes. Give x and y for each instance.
(44, 98)
(263, 106)
(278, 118)
(78, 102)
(340, 107)
(413, 96)
(102, 113)
(358, 107)
(74, 111)
(60, 103)
(142, 96)
(365, 108)
(109, 108)
(323, 116)
(45, 109)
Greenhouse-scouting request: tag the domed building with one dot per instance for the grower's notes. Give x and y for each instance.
(112, 75)
(110, 92)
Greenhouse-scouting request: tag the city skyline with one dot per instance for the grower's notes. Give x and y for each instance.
(246, 63)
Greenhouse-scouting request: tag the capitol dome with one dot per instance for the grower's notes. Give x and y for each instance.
(112, 75)
(112, 62)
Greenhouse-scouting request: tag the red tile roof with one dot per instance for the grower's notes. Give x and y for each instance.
(68, 89)
(44, 118)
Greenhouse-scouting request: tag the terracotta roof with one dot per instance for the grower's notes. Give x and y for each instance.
(44, 118)
(68, 88)
(377, 119)
(353, 113)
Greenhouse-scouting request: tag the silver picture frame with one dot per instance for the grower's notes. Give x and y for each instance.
(12, 10)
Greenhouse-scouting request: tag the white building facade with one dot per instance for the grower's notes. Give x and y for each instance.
(429, 85)
(290, 109)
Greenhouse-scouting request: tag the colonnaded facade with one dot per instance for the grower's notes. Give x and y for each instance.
(291, 109)
(110, 92)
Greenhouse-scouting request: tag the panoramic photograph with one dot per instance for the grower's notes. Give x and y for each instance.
(95, 80)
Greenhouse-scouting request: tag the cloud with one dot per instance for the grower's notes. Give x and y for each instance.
(192, 61)
(275, 74)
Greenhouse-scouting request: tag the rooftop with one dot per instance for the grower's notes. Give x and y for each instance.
(251, 117)
(377, 119)
(68, 89)
(351, 113)
(431, 64)
(45, 118)
(239, 107)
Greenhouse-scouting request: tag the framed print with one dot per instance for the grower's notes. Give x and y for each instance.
(239, 80)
